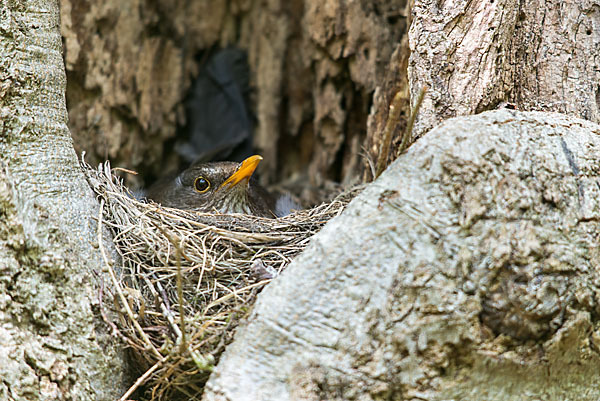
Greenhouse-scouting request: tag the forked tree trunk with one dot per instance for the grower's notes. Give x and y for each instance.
(487, 310)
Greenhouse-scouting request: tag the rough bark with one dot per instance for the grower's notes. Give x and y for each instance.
(468, 266)
(476, 55)
(467, 271)
(318, 69)
(52, 345)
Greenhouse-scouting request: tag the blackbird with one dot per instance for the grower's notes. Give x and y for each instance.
(224, 187)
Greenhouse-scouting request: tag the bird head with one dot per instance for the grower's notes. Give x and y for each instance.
(225, 187)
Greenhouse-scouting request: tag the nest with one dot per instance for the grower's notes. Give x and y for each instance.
(185, 280)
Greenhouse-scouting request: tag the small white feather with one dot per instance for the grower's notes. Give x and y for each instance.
(285, 205)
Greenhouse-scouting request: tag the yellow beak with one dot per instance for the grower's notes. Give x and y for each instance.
(243, 172)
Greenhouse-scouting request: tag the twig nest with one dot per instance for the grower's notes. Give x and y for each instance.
(185, 279)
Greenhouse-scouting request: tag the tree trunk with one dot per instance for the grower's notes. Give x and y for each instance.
(52, 344)
(479, 55)
(396, 309)
(468, 271)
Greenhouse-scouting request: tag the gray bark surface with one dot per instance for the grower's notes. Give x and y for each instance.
(468, 270)
(52, 345)
(475, 55)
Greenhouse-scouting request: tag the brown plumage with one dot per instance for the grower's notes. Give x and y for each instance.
(224, 187)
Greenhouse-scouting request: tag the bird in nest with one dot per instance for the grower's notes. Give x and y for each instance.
(223, 187)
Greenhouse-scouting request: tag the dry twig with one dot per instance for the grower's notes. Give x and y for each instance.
(390, 125)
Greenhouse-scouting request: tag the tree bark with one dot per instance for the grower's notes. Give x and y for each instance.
(52, 344)
(467, 271)
(478, 55)
(320, 70)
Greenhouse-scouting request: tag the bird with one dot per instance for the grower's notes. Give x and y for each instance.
(223, 187)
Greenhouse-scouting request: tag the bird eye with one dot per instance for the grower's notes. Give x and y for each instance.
(201, 185)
